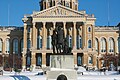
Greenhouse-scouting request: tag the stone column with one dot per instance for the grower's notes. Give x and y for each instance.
(34, 36)
(54, 23)
(43, 59)
(74, 35)
(33, 61)
(24, 46)
(44, 36)
(64, 27)
(84, 36)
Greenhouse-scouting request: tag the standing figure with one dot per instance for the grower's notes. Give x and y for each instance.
(54, 41)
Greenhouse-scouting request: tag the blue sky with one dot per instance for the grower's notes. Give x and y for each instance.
(17, 9)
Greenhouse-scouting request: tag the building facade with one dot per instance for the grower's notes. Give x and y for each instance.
(92, 46)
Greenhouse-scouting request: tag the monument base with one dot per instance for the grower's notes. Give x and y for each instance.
(62, 68)
(61, 74)
(62, 61)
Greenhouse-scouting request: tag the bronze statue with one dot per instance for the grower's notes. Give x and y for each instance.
(59, 42)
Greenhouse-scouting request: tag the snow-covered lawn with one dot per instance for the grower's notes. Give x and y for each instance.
(92, 75)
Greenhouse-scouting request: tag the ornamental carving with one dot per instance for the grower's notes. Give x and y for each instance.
(57, 11)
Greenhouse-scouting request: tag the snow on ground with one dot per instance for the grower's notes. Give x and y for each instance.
(92, 75)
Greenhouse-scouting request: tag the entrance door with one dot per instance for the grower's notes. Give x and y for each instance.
(79, 59)
(48, 59)
(39, 59)
(28, 60)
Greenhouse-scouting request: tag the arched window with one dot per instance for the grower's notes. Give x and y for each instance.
(89, 44)
(49, 45)
(1, 44)
(103, 45)
(7, 48)
(21, 45)
(28, 43)
(111, 45)
(79, 42)
(70, 41)
(89, 29)
(39, 42)
(15, 46)
(96, 44)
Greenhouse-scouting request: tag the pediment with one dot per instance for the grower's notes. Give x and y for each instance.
(57, 11)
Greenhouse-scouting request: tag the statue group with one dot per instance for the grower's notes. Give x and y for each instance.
(59, 42)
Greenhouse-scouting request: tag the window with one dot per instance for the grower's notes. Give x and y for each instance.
(89, 29)
(15, 46)
(89, 44)
(96, 44)
(70, 41)
(28, 43)
(79, 42)
(0, 45)
(111, 45)
(103, 45)
(39, 42)
(21, 45)
(90, 59)
(49, 45)
(7, 46)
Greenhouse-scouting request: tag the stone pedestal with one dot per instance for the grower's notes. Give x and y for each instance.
(62, 61)
(62, 66)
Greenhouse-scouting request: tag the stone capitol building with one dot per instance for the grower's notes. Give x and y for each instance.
(30, 45)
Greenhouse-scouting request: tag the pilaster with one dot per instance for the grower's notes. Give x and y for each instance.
(33, 60)
(43, 59)
(34, 41)
(84, 36)
(74, 35)
(44, 36)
